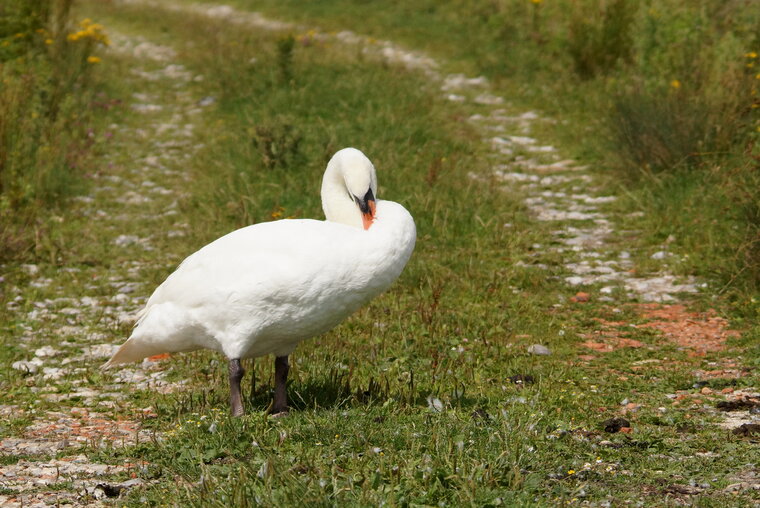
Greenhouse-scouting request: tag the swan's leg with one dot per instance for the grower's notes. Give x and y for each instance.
(236, 375)
(280, 405)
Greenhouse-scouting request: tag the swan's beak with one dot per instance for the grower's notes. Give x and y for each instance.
(368, 218)
(367, 207)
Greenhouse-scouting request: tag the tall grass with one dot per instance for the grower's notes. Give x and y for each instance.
(686, 108)
(45, 109)
(690, 96)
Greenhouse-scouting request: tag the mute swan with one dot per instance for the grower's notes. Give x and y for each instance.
(264, 288)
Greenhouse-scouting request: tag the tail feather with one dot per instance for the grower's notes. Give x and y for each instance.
(131, 351)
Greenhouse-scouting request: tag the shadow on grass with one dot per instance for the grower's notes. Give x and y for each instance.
(332, 390)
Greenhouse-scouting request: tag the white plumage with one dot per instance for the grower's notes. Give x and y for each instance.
(264, 288)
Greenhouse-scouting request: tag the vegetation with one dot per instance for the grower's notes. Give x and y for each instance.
(428, 396)
(46, 104)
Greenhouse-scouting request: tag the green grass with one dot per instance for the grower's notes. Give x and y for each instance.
(410, 401)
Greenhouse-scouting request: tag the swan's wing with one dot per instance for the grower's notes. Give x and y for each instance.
(265, 260)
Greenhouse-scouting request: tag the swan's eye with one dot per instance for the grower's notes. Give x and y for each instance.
(367, 204)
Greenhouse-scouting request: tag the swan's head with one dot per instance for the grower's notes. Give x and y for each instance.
(349, 189)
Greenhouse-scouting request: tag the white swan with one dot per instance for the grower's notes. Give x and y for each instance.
(264, 288)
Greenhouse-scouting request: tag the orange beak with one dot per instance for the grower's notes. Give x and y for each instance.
(369, 217)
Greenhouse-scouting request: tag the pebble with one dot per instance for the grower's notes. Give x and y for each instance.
(207, 101)
(434, 404)
(457, 81)
(580, 297)
(53, 373)
(30, 269)
(112, 490)
(616, 425)
(30, 366)
(488, 99)
(538, 349)
(46, 351)
(125, 240)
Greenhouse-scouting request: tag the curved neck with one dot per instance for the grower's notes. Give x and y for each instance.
(337, 203)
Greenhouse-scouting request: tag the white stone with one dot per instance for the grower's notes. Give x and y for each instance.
(538, 349)
(46, 351)
(30, 366)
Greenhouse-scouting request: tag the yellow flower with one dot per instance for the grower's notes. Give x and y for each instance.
(536, 2)
(91, 31)
(93, 59)
(48, 41)
(751, 54)
(572, 471)
(675, 84)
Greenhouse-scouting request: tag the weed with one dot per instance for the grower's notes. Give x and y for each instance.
(666, 125)
(278, 144)
(285, 48)
(536, 20)
(745, 190)
(659, 131)
(434, 171)
(600, 35)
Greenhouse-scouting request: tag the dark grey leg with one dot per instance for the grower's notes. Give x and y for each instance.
(236, 375)
(280, 405)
